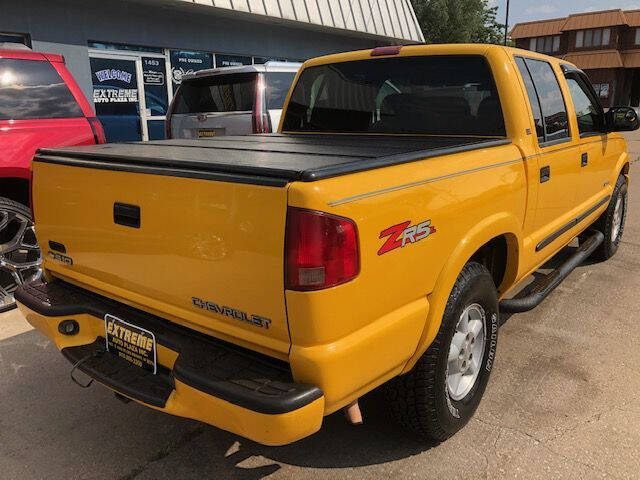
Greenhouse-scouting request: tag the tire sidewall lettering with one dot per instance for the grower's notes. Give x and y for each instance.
(493, 342)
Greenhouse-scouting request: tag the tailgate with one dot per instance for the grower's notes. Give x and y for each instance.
(207, 254)
(210, 125)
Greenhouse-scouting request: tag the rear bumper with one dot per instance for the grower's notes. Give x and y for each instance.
(199, 377)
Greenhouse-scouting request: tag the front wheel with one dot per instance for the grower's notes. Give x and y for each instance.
(20, 259)
(440, 394)
(611, 222)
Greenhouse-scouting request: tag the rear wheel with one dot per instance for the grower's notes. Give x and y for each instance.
(438, 397)
(611, 222)
(20, 258)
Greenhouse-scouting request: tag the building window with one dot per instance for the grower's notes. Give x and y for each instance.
(547, 44)
(122, 46)
(22, 38)
(597, 37)
(637, 36)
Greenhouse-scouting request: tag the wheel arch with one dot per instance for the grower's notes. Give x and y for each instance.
(622, 168)
(16, 189)
(499, 233)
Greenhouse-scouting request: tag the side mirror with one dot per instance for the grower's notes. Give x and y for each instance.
(622, 119)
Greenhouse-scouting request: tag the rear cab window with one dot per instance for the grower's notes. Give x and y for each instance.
(431, 95)
(33, 89)
(547, 103)
(217, 94)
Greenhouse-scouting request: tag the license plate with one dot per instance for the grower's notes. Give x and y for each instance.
(131, 343)
(206, 133)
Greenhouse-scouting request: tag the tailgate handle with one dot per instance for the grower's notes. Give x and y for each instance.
(127, 215)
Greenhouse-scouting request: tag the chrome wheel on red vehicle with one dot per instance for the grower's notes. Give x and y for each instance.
(20, 257)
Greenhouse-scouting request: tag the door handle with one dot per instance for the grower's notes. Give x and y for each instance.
(127, 215)
(584, 160)
(545, 174)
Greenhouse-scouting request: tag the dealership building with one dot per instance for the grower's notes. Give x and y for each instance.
(605, 44)
(140, 49)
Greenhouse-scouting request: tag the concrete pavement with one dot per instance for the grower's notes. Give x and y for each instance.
(563, 402)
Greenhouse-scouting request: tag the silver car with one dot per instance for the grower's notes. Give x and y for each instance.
(230, 101)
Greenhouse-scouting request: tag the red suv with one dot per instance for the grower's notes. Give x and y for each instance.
(41, 105)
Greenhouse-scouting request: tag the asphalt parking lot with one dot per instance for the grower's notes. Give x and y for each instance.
(563, 402)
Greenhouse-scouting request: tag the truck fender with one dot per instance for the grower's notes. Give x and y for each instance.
(622, 167)
(502, 223)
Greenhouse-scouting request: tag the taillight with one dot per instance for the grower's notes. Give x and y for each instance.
(321, 250)
(98, 131)
(260, 120)
(167, 127)
(167, 121)
(389, 50)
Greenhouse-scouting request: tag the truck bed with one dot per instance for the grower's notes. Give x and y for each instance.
(273, 160)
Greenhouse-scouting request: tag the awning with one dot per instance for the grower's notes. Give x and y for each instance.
(631, 59)
(538, 29)
(393, 19)
(607, 18)
(595, 59)
(633, 17)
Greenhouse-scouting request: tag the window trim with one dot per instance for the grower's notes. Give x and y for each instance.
(548, 143)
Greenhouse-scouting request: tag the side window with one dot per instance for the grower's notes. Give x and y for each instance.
(554, 111)
(590, 118)
(533, 98)
(31, 89)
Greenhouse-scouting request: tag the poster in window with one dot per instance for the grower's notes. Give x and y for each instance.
(155, 85)
(115, 87)
(185, 62)
(604, 90)
(232, 60)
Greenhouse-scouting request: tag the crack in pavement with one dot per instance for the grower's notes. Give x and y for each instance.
(165, 452)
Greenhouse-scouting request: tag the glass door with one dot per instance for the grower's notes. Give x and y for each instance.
(116, 86)
(156, 97)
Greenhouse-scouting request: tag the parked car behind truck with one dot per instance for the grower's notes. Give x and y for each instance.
(40, 106)
(230, 100)
(260, 283)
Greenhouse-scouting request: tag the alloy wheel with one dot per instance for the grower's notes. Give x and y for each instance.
(618, 215)
(466, 352)
(20, 257)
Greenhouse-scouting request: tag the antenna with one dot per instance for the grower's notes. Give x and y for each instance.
(506, 24)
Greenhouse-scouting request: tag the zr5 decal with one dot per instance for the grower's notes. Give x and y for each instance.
(401, 234)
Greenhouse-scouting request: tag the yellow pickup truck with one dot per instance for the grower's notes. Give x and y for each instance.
(261, 283)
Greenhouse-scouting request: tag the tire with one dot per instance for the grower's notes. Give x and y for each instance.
(609, 219)
(423, 399)
(20, 252)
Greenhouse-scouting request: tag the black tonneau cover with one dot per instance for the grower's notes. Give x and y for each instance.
(275, 159)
